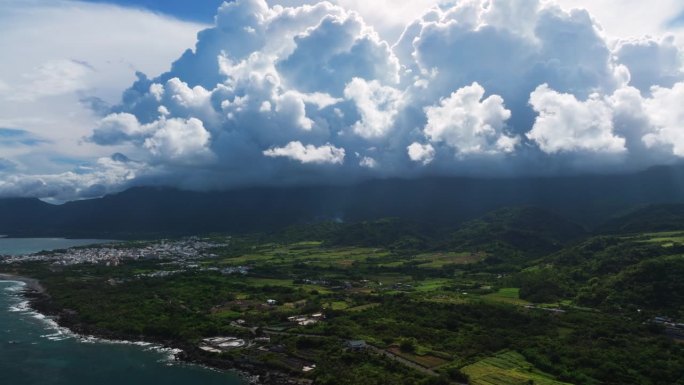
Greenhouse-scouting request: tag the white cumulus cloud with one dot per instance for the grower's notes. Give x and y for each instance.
(378, 106)
(422, 153)
(180, 141)
(566, 124)
(326, 154)
(666, 118)
(469, 123)
(452, 84)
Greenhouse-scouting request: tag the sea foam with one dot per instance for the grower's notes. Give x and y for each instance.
(59, 333)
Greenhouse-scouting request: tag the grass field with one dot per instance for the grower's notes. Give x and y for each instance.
(444, 297)
(310, 253)
(228, 314)
(337, 305)
(362, 307)
(507, 368)
(438, 260)
(426, 361)
(666, 239)
(431, 284)
(507, 295)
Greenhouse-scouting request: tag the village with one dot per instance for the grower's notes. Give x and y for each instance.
(178, 251)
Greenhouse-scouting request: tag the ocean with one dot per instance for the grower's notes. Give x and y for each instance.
(35, 351)
(19, 246)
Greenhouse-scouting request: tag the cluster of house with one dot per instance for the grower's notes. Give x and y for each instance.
(306, 320)
(337, 285)
(180, 250)
(242, 270)
(667, 321)
(356, 345)
(402, 286)
(547, 309)
(185, 266)
(673, 328)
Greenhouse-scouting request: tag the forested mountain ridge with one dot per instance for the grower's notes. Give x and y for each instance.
(139, 212)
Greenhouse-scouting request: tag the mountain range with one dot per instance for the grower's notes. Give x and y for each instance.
(595, 202)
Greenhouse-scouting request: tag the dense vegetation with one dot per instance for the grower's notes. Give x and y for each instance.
(519, 296)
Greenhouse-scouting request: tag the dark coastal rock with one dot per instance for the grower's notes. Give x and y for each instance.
(253, 371)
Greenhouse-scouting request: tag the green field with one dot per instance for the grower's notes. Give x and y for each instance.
(438, 260)
(432, 284)
(507, 295)
(426, 360)
(507, 368)
(362, 307)
(665, 239)
(337, 305)
(310, 253)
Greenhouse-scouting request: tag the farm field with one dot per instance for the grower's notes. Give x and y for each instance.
(666, 239)
(427, 361)
(506, 295)
(507, 368)
(309, 253)
(438, 260)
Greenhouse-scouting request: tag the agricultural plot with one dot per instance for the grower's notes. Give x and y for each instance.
(445, 298)
(261, 282)
(509, 296)
(310, 253)
(436, 260)
(336, 305)
(439, 260)
(431, 284)
(507, 368)
(665, 239)
(362, 307)
(427, 361)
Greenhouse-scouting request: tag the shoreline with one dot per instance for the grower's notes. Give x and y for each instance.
(39, 301)
(32, 284)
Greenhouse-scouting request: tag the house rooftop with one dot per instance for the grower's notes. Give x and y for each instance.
(356, 344)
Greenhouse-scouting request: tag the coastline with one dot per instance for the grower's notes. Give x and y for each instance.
(40, 302)
(32, 284)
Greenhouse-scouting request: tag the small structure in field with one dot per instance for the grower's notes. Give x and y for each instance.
(356, 345)
(222, 344)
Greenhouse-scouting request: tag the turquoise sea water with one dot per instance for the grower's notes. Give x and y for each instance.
(19, 246)
(35, 351)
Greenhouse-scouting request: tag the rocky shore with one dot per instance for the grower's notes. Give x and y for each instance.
(254, 372)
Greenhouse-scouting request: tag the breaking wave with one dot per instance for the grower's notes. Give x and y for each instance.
(59, 333)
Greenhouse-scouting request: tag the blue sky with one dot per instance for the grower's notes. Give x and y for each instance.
(678, 21)
(201, 10)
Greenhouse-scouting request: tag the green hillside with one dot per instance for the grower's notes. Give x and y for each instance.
(516, 232)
